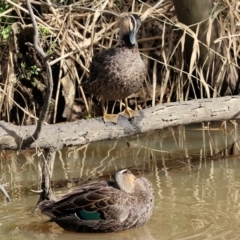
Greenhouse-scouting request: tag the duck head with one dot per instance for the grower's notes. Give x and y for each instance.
(128, 29)
(125, 180)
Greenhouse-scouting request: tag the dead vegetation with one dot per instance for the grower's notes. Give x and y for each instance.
(73, 33)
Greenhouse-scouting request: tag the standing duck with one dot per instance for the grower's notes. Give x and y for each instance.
(117, 72)
(104, 206)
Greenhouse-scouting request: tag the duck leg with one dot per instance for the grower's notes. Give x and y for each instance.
(128, 112)
(108, 117)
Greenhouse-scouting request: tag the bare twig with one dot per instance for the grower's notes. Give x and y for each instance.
(81, 7)
(44, 57)
(24, 10)
(2, 189)
(46, 191)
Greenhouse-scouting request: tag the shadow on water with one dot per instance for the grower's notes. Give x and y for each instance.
(196, 185)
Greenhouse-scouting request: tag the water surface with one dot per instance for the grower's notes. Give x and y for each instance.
(196, 196)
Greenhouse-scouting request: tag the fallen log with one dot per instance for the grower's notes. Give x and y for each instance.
(86, 131)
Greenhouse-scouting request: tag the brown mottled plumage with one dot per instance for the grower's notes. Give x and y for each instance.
(104, 206)
(117, 72)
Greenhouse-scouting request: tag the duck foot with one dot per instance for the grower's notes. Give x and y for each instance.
(110, 118)
(129, 113)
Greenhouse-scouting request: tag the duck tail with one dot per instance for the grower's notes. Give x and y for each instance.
(46, 207)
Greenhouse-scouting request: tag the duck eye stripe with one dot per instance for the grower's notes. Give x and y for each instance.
(133, 24)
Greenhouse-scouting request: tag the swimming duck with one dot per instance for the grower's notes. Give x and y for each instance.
(117, 72)
(104, 206)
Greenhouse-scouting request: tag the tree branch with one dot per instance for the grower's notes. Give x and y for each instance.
(30, 139)
(2, 189)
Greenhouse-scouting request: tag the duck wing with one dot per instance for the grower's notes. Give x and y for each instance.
(100, 68)
(95, 201)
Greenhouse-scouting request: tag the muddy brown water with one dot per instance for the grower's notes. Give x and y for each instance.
(196, 197)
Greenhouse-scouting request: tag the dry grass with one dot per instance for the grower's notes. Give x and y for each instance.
(75, 32)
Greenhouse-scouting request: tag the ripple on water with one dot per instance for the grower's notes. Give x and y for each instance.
(200, 205)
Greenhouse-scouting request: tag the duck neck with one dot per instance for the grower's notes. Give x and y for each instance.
(125, 42)
(127, 188)
(125, 184)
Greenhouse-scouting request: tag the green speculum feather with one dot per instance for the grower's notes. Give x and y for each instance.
(88, 215)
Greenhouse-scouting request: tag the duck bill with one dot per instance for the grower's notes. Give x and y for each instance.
(132, 37)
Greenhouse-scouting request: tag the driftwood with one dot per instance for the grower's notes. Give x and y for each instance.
(92, 130)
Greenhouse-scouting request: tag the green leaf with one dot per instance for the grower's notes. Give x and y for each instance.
(6, 32)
